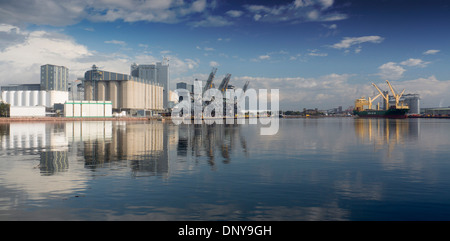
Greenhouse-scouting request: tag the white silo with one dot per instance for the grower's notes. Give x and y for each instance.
(18, 98)
(42, 98)
(26, 98)
(10, 97)
(34, 98)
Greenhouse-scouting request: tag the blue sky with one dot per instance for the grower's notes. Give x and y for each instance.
(318, 53)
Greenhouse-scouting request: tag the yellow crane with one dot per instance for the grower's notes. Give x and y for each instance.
(372, 99)
(385, 96)
(396, 97)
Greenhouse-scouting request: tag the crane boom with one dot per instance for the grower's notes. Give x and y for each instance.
(208, 84)
(386, 97)
(396, 96)
(371, 100)
(224, 84)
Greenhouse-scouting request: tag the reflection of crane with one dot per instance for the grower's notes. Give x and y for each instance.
(385, 96)
(396, 96)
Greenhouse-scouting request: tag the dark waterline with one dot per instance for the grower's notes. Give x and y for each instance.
(312, 169)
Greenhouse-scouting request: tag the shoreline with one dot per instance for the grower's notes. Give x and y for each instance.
(62, 119)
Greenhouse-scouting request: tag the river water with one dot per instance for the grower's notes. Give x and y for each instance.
(312, 169)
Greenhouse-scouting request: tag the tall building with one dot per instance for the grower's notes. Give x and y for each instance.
(158, 73)
(54, 77)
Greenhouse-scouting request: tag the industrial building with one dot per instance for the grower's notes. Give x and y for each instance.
(36, 99)
(78, 109)
(126, 92)
(413, 102)
(157, 73)
(54, 77)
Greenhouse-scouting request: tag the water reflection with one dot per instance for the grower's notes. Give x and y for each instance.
(211, 141)
(387, 131)
(313, 169)
(142, 146)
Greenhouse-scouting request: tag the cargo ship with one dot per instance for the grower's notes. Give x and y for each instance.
(393, 113)
(363, 107)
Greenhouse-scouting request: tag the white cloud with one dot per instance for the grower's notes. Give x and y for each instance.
(431, 51)
(347, 42)
(296, 11)
(414, 62)
(20, 61)
(211, 21)
(395, 71)
(213, 64)
(299, 92)
(52, 12)
(264, 57)
(391, 71)
(66, 12)
(331, 26)
(234, 13)
(433, 92)
(316, 53)
(118, 42)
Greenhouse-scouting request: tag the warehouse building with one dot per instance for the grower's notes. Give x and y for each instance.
(126, 92)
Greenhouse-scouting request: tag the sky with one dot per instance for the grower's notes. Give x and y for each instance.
(317, 53)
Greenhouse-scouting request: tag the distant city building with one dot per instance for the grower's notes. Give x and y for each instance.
(158, 73)
(54, 77)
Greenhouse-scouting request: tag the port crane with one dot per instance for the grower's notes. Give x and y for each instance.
(209, 84)
(224, 84)
(397, 97)
(385, 96)
(372, 100)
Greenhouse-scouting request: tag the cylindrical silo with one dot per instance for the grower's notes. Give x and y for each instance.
(18, 98)
(34, 99)
(43, 97)
(26, 98)
(10, 97)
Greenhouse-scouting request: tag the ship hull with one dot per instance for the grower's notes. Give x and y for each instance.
(391, 113)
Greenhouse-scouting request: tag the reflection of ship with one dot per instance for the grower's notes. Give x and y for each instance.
(363, 106)
(382, 132)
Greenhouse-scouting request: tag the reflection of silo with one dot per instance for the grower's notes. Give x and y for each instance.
(53, 161)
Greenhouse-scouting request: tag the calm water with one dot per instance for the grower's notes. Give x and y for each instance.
(313, 169)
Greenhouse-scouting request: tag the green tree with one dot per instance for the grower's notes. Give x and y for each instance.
(4, 109)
